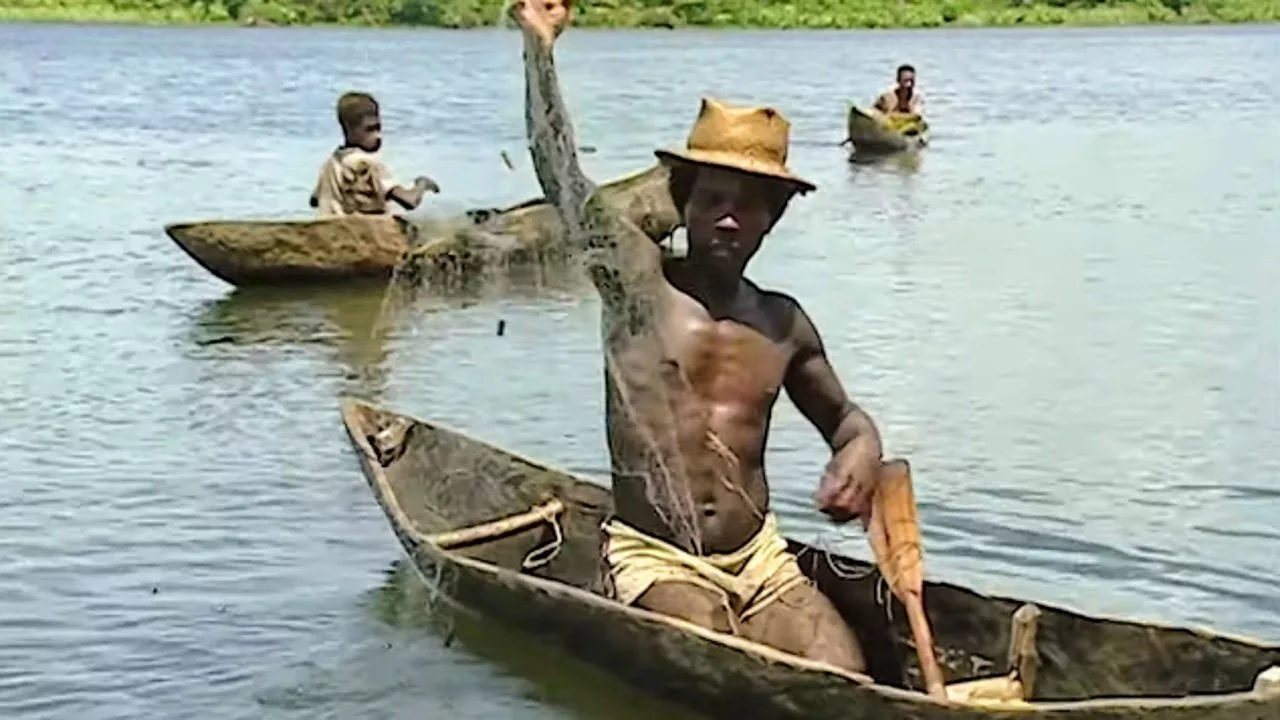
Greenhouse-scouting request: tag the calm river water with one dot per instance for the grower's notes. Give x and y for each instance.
(1065, 315)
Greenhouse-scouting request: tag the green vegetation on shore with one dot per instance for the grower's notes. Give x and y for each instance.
(655, 13)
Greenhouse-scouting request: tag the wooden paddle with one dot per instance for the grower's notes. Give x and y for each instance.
(894, 533)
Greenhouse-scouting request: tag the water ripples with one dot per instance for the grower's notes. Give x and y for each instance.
(1063, 315)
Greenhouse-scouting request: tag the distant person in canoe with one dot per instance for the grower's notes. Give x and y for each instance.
(353, 179)
(904, 98)
(695, 358)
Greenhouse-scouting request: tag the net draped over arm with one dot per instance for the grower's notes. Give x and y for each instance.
(622, 261)
(625, 266)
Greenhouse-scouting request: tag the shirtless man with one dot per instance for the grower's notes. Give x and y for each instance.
(695, 356)
(902, 99)
(353, 179)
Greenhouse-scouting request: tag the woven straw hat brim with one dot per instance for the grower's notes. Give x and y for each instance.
(736, 161)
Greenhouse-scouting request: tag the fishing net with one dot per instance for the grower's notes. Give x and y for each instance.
(648, 399)
(486, 248)
(650, 403)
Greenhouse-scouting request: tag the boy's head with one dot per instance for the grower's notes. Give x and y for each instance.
(361, 123)
(906, 77)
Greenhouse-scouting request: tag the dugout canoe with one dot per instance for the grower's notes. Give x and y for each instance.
(874, 133)
(436, 486)
(278, 252)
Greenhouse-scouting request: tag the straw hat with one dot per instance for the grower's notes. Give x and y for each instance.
(753, 140)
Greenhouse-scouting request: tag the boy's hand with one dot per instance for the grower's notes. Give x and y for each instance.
(543, 19)
(426, 184)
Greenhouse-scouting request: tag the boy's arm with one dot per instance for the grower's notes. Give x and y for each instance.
(408, 197)
(411, 197)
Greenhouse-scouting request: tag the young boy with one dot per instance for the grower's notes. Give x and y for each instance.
(353, 180)
(903, 98)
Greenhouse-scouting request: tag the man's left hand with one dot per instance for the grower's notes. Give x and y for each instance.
(849, 482)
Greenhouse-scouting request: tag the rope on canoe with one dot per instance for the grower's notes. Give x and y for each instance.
(548, 512)
(544, 554)
(498, 529)
(884, 584)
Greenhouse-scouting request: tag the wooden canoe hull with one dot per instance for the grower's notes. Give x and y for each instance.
(247, 253)
(269, 252)
(434, 480)
(870, 133)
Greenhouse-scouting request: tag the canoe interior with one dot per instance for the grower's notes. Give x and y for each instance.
(442, 480)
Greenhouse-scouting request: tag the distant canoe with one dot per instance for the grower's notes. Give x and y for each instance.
(278, 252)
(874, 133)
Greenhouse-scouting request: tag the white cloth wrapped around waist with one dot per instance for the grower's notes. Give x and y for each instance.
(750, 578)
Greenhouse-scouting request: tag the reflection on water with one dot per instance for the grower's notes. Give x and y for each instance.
(904, 163)
(343, 318)
(405, 601)
(359, 321)
(410, 292)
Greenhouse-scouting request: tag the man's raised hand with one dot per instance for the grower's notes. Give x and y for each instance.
(543, 19)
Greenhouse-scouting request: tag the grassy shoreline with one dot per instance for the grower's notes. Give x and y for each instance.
(799, 14)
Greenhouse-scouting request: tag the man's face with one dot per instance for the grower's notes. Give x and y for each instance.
(727, 216)
(367, 133)
(906, 79)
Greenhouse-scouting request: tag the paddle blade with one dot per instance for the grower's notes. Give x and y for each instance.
(894, 533)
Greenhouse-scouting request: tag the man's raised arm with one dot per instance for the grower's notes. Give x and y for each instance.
(623, 262)
(547, 124)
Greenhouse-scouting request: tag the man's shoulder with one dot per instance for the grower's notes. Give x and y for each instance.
(789, 316)
(781, 308)
(775, 299)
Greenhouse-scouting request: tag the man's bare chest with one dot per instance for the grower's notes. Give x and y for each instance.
(730, 360)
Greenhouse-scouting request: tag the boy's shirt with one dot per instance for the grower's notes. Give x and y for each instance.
(354, 181)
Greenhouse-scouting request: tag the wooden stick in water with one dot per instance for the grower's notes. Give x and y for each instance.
(497, 529)
(1024, 659)
(894, 533)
